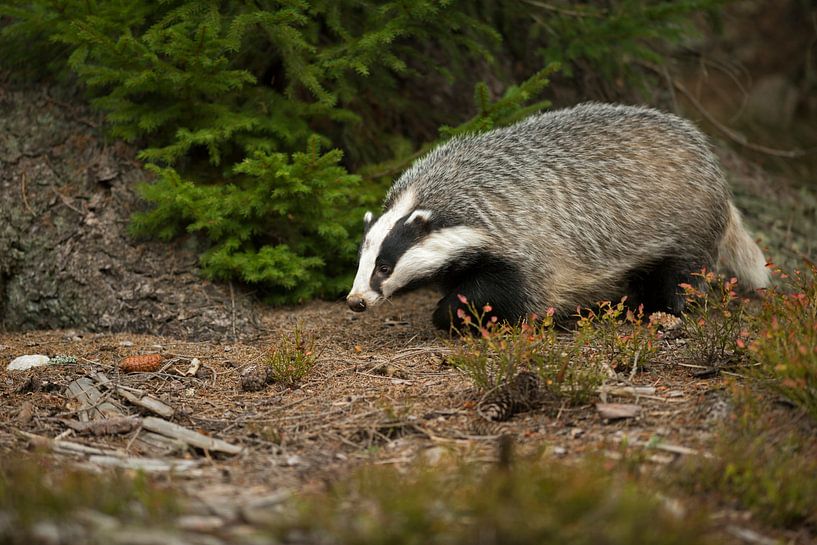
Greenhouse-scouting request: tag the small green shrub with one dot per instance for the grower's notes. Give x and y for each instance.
(786, 343)
(763, 461)
(489, 352)
(492, 353)
(31, 490)
(619, 335)
(715, 319)
(292, 358)
(527, 503)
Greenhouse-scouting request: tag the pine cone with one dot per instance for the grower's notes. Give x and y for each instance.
(520, 394)
(145, 363)
(256, 378)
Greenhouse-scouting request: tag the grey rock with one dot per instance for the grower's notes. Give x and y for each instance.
(23, 363)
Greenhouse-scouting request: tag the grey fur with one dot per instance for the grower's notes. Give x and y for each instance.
(579, 198)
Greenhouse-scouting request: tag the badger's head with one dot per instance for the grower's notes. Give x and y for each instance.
(405, 246)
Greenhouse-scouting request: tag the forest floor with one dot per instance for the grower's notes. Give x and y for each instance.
(380, 393)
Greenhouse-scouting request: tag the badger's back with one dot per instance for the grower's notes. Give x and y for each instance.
(565, 208)
(577, 198)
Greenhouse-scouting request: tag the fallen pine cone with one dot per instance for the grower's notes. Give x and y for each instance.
(519, 394)
(145, 363)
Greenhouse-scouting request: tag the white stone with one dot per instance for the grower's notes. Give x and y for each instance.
(27, 362)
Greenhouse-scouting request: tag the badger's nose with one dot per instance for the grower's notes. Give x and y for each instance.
(356, 303)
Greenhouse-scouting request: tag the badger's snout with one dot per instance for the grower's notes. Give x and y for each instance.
(356, 302)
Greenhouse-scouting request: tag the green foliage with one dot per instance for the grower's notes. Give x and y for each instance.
(619, 335)
(492, 353)
(765, 449)
(614, 41)
(786, 342)
(231, 101)
(277, 226)
(715, 319)
(31, 490)
(512, 107)
(528, 503)
(292, 359)
(762, 459)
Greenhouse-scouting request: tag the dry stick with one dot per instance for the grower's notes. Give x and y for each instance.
(23, 179)
(196, 439)
(64, 200)
(743, 91)
(563, 11)
(132, 439)
(232, 302)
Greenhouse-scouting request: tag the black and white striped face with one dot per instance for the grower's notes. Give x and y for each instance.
(405, 245)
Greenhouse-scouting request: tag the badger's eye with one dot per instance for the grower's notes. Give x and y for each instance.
(384, 269)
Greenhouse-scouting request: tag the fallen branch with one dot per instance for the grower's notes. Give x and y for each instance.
(192, 438)
(93, 404)
(65, 447)
(137, 397)
(615, 411)
(149, 465)
(108, 426)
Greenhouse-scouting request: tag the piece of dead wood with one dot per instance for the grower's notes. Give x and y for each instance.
(136, 397)
(65, 447)
(93, 404)
(149, 465)
(147, 402)
(192, 438)
(614, 411)
(750, 536)
(159, 444)
(638, 392)
(668, 447)
(107, 426)
(195, 363)
(627, 391)
(675, 449)
(26, 413)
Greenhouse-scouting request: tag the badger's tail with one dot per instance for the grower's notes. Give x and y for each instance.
(739, 254)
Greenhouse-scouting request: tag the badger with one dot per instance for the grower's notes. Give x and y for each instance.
(563, 209)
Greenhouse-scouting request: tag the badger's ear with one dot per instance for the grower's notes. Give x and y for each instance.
(368, 217)
(420, 218)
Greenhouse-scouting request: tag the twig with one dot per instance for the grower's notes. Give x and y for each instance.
(563, 11)
(193, 438)
(634, 369)
(232, 303)
(23, 179)
(749, 536)
(64, 200)
(133, 438)
(671, 88)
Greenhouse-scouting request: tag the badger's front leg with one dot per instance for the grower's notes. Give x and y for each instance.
(489, 283)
